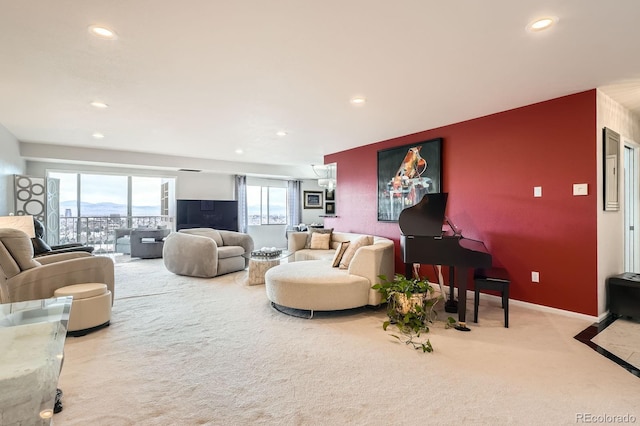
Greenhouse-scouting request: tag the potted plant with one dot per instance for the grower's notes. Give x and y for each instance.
(410, 303)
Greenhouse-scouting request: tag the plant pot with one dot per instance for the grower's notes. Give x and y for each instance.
(404, 305)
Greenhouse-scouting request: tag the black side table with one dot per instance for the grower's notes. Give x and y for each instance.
(623, 294)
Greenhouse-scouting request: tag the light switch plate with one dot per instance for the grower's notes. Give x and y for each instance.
(580, 189)
(537, 191)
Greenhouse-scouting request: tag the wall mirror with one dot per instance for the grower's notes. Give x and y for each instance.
(611, 167)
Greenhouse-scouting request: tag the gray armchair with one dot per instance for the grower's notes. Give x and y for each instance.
(24, 278)
(147, 243)
(206, 252)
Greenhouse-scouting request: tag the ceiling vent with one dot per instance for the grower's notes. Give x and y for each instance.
(190, 170)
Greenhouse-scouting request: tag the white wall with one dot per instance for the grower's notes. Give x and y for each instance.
(10, 164)
(204, 186)
(131, 159)
(611, 224)
(189, 185)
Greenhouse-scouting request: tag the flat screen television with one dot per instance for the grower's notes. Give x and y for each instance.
(217, 214)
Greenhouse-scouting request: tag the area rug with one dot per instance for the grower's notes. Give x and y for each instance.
(188, 351)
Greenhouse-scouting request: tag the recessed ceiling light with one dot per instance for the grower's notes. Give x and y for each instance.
(100, 105)
(358, 100)
(281, 133)
(102, 32)
(98, 135)
(239, 151)
(542, 23)
(46, 414)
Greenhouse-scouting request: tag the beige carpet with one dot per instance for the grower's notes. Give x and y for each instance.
(186, 351)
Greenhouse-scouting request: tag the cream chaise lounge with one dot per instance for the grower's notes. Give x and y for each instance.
(310, 282)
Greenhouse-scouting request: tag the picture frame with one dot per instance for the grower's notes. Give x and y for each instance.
(330, 208)
(330, 194)
(405, 174)
(312, 199)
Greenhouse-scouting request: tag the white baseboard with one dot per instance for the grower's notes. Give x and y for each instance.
(533, 306)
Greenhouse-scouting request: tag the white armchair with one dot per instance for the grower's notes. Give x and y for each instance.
(206, 252)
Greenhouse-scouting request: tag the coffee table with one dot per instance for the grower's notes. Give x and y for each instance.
(32, 336)
(259, 265)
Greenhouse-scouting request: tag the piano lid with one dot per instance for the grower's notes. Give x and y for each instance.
(425, 218)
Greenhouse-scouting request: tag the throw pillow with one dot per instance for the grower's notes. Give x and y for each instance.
(364, 240)
(318, 230)
(320, 241)
(342, 247)
(40, 246)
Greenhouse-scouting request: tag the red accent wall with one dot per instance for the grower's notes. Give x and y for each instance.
(490, 166)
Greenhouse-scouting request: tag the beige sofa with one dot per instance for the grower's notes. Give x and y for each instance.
(24, 278)
(206, 252)
(310, 282)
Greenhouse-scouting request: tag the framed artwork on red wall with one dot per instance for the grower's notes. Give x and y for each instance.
(405, 174)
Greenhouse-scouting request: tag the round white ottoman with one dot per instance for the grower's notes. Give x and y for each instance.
(314, 285)
(90, 309)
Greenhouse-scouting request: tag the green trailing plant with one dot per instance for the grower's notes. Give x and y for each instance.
(410, 307)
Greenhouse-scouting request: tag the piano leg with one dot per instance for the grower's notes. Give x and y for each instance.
(451, 305)
(462, 277)
(408, 270)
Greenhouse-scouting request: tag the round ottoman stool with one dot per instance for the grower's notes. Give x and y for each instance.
(313, 285)
(90, 309)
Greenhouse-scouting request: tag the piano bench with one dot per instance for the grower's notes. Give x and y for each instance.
(496, 279)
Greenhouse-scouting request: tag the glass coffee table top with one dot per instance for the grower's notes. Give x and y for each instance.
(32, 336)
(268, 258)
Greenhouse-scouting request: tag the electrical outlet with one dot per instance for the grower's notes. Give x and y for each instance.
(535, 276)
(580, 189)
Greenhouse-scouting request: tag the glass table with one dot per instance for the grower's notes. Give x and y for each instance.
(32, 336)
(260, 264)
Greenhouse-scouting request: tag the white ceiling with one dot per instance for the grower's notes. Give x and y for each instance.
(202, 78)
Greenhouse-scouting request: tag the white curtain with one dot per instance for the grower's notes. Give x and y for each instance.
(294, 194)
(241, 197)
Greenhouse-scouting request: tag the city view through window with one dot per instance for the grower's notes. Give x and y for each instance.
(92, 206)
(266, 205)
(105, 195)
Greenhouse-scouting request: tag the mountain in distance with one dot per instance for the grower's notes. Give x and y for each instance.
(107, 209)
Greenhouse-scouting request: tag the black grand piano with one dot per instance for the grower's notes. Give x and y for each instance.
(423, 241)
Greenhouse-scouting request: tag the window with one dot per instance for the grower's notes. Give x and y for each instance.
(266, 205)
(92, 206)
(103, 195)
(111, 195)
